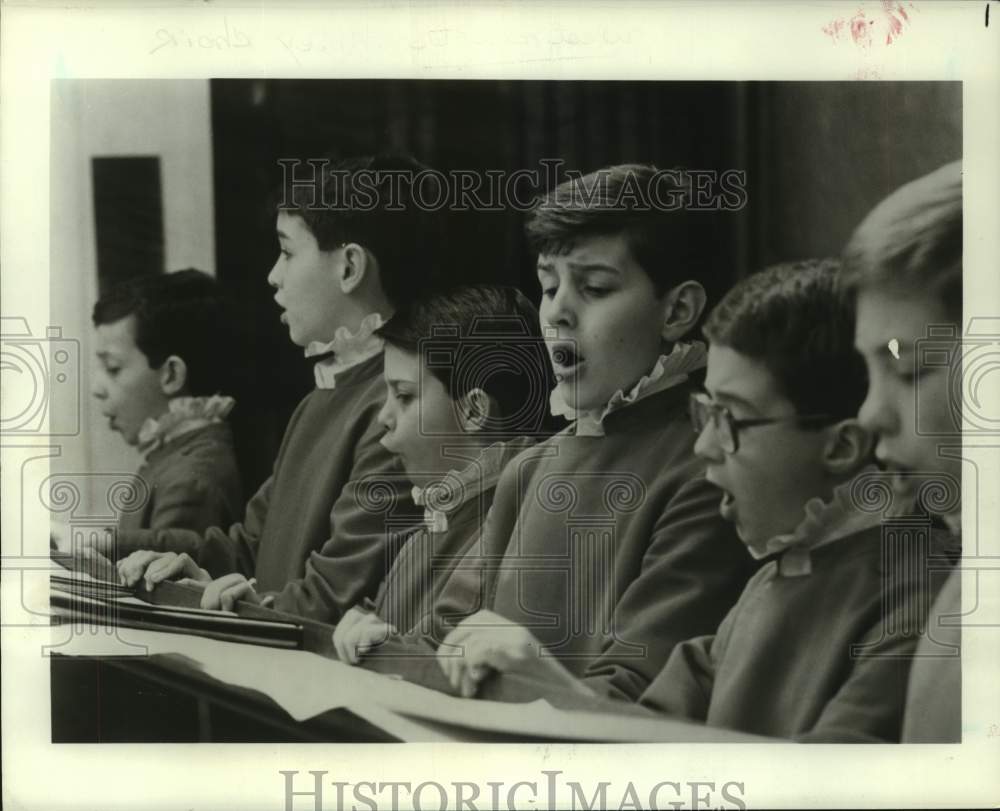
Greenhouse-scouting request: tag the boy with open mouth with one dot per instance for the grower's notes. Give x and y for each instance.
(605, 541)
(308, 543)
(161, 344)
(818, 646)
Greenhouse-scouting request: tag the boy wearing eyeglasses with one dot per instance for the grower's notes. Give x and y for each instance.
(817, 647)
(808, 652)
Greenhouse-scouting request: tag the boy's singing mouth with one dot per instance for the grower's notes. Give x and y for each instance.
(284, 313)
(727, 504)
(727, 507)
(904, 484)
(566, 361)
(901, 478)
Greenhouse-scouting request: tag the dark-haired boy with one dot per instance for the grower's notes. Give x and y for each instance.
(161, 345)
(605, 540)
(817, 648)
(904, 266)
(311, 540)
(466, 376)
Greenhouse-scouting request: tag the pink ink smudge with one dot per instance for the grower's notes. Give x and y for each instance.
(893, 19)
(834, 29)
(895, 26)
(860, 30)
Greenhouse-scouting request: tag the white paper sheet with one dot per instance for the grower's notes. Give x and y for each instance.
(306, 685)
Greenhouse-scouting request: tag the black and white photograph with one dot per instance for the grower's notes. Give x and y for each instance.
(550, 396)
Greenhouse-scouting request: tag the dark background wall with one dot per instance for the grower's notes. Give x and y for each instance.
(817, 156)
(824, 153)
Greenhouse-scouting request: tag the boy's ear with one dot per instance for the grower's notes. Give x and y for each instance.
(173, 376)
(355, 267)
(474, 408)
(847, 449)
(682, 309)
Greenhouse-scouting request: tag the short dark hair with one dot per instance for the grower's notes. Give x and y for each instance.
(369, 200)
(795, 319)
(179, 313)
(913, 240)
(671, 244)
(481, 336)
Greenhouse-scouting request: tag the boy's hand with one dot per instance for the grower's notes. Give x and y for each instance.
(229, 589)
(358, 632)
(486, 642)
(95, 564)
(155, 567)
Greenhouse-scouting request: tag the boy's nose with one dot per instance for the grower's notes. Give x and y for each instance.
(97, 389)
(875, 415)
(559, 311)
(706, 446)
(272, 276)
(384, 418)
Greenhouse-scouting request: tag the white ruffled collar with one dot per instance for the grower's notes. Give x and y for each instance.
(823, 523)
(669, 370)
(443, 497)
(184, 414)
(348, 349)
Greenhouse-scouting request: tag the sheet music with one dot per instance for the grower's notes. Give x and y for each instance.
(306, 685)
(216, 612)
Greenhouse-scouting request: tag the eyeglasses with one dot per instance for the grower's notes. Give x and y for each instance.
(702, 410)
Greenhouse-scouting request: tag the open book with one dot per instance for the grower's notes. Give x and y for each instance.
(77, 596)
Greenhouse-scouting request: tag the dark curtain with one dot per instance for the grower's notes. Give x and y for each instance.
(817, 156)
